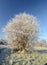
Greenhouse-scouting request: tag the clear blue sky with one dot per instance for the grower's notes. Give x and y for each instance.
(38, 8)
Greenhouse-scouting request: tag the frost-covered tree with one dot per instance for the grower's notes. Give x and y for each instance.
(42, 42)
(22, 31)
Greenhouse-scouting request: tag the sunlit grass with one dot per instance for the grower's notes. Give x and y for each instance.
(34, 58)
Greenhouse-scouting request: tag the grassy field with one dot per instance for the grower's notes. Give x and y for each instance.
(35, 58)
(40, 48)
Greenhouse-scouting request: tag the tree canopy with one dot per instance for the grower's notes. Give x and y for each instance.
(22, 31)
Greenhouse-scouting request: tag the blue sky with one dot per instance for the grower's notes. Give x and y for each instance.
(38, 8)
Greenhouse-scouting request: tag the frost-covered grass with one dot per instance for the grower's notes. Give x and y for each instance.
(35, 58)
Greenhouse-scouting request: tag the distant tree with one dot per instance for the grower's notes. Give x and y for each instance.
(22, 31)
(43, 42)
(3, 42)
